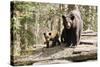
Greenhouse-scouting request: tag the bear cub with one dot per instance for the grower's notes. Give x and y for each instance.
(51, 38)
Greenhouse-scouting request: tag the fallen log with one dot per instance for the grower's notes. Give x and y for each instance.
(89, 34)
(83, 53)
(83, 56)
(78, 54)
(89, 42)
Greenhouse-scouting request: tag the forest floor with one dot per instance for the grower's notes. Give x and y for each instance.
(60, 54)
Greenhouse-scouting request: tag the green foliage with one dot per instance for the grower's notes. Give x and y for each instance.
(89, 16)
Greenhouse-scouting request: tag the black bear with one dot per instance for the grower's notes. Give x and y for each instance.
(72, 28)
(51, 38)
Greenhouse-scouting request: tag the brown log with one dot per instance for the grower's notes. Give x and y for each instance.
(78, 54)
(89, 34)
(82, 53)
(89, 42)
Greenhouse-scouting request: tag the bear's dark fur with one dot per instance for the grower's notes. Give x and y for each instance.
(51, 38)
(72, 28)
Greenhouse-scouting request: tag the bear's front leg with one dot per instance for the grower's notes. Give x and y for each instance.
(76, 39)
(47, 46)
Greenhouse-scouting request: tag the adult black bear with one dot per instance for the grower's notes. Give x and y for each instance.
(51, 38)
(72, 28)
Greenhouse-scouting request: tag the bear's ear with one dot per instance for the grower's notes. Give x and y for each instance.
(44, 34)
(49, 34)
(63, 16)
(72, 17)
